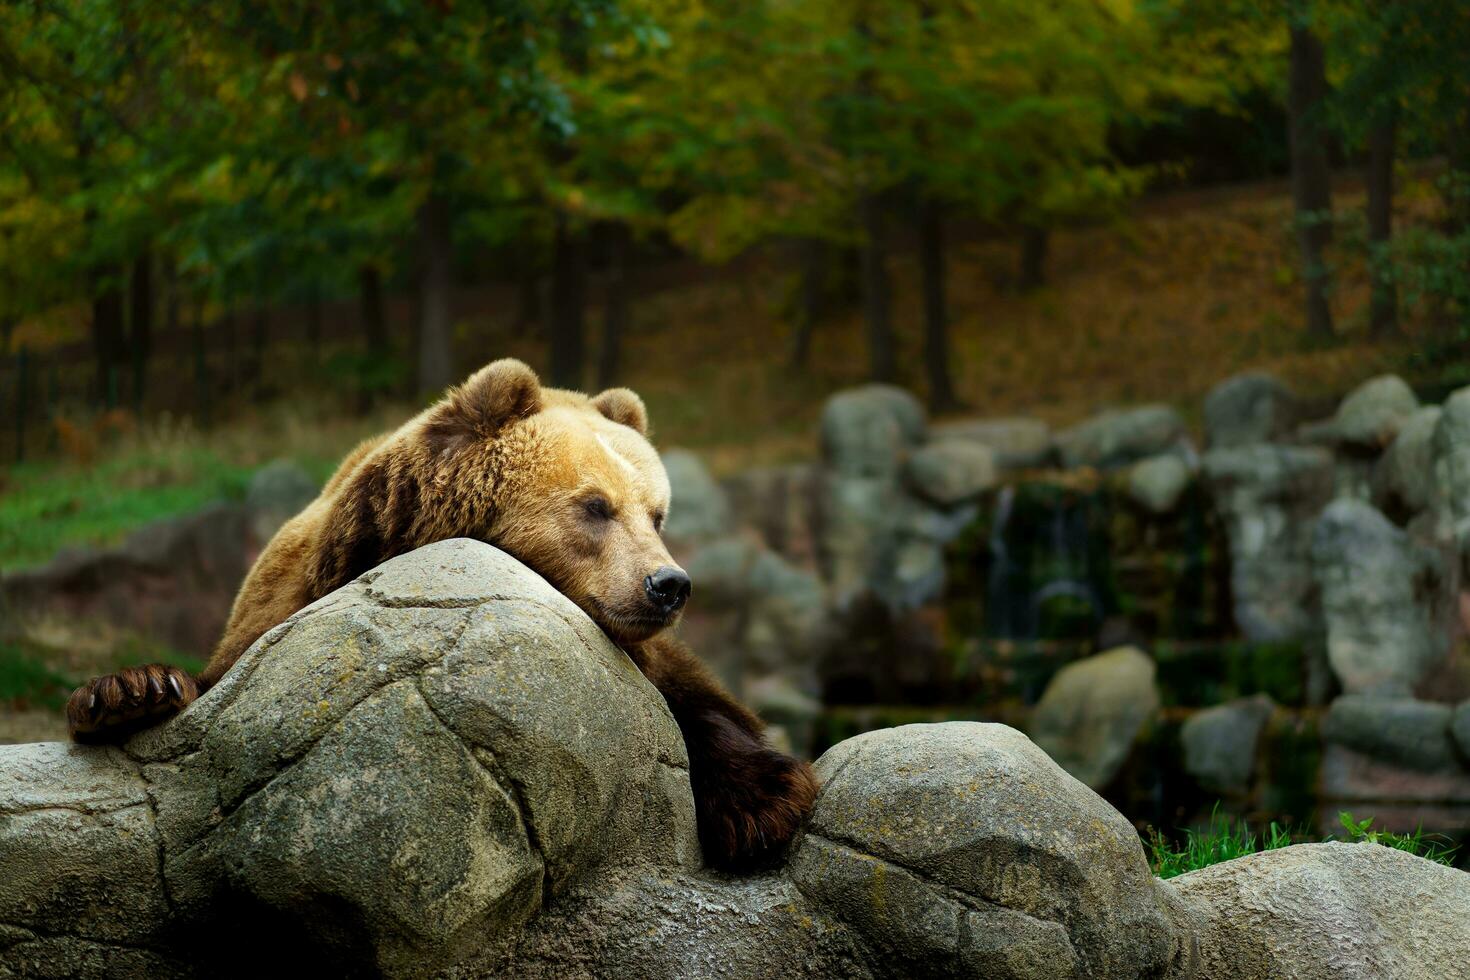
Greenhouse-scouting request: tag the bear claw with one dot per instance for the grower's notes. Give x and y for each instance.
(111, 707)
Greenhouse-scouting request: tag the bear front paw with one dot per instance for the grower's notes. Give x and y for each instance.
(749, 804)
(111, 707)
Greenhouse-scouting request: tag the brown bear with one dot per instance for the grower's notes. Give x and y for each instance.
(571, 487)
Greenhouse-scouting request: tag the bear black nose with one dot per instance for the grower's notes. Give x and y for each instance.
(667, 588)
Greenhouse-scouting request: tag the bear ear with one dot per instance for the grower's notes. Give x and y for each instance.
(623, 407)
(499, 393)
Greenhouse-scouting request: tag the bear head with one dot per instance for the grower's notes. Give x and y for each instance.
(567, 484)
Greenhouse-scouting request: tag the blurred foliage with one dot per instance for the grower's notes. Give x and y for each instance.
(28, 679)
(34, 676)
(45, 507)
(1405, 62)
(266, 150)
(264, 145)
(268, 153)
(365, 376)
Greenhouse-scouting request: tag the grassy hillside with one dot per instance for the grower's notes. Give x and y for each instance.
(1190, 289)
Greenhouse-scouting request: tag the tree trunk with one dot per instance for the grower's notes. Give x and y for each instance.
(615, 311)
(1311, 187)
(260, 328)
(140, 325)
(370, 300)
(104, 285)
(813, 254)
(436, 285)
(1384, 317)
(314, 321)
(936, 314)
(568, 303)
(877, 313)
(529, 289)
(203, 389)
(232, 348)
(172, 316)
(1035, 244)
(171, 308)
(108, 338)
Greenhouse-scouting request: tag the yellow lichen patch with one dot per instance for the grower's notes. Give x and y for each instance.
(321, 711)
(879, 882)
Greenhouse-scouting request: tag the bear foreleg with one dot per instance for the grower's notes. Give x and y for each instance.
(749, 799)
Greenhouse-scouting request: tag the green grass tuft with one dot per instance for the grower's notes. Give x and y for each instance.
(1227, 838)
(1428, 846)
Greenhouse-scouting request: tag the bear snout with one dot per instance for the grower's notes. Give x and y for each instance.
(668, 589)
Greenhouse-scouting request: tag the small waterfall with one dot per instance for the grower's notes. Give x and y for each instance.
(1003, 611)
(1068, 572)
(1040, 551)
(1065, 588)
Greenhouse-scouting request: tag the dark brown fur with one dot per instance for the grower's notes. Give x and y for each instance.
(749, 798)
(566, 484)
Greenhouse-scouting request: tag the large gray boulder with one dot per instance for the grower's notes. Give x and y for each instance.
(170, 582)
(866, 514)
(405, 771)
(880, 540)
(1269, 497)
(1385, 598)
(1018, 443)
(1402, 732)
(1460, 728)
(1403, 479)
(667, 924)
(773, 615)
(867, 431)
(445, 769)
(1156, 484)
(1220, 743)
(779, 503)
(699, 509)
(1093, 711)
(951, 472)
(1451, 446)
(1370, 417)
(82, 891)
(1249, 409)
(1330, 912)
(963, 850)
(1116, 438)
